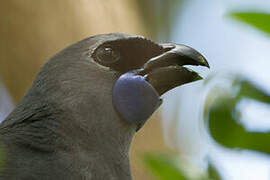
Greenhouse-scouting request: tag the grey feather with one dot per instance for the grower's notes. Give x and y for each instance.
(66, 126)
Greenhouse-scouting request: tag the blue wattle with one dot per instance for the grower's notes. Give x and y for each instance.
(134, 98)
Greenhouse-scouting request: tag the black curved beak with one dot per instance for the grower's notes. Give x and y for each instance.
(177, 54)
(166, 71)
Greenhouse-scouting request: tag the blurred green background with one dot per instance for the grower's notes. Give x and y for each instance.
(213, 129)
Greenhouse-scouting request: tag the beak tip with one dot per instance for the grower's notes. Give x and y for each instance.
(196, 77)
(207, 65)
(203, 61)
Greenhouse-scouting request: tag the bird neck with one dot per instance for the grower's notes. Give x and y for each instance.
(99, 145)
(101, 165)
(96, 142)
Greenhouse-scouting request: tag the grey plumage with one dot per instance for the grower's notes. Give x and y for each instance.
(66, 126)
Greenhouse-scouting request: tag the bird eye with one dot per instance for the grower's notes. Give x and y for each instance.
(107, 56)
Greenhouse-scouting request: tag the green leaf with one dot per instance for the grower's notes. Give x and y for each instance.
(250, 90)
(213, 172)
(258, 20)
(224, 124)
(164, 167)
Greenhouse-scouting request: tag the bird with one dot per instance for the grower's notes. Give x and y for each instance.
(78, 118)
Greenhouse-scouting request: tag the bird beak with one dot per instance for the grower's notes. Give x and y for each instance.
(136, 94)
(177, 54)
(166, 71)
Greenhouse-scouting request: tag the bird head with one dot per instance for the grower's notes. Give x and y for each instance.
(88, 101)
(108, 85)
(146, 70)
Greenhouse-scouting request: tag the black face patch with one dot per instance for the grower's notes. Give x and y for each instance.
(124, 55)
